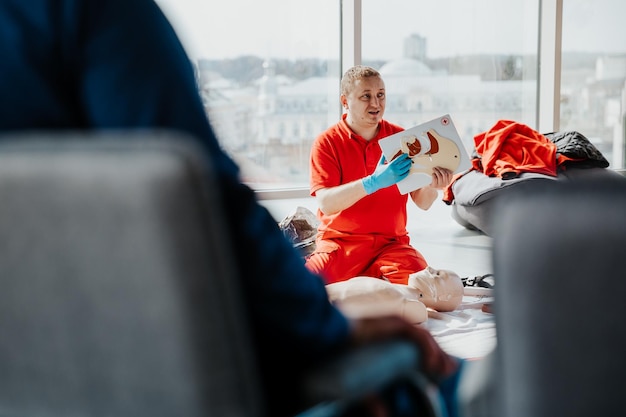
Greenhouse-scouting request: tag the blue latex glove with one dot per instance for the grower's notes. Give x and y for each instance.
(386, 175)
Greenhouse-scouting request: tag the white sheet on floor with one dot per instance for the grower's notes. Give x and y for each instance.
(467, 332)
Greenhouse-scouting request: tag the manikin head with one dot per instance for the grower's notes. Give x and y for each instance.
(439, 289)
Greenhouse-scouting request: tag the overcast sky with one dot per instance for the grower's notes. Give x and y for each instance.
(296, 29)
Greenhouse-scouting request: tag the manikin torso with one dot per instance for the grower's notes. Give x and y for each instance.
(361, 297)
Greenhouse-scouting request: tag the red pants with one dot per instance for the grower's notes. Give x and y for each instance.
(373, 256)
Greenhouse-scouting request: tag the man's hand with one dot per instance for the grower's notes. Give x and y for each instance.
(425, 197)
(389, 174)
(441, 178)
(436, 363)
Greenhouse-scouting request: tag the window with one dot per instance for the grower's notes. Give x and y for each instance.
(269, 71)
(476, 60)
(264, 69)
(593, 74)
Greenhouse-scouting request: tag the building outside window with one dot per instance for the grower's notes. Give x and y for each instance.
(475, 60)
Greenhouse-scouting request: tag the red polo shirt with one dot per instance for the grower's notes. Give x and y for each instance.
(339, 156)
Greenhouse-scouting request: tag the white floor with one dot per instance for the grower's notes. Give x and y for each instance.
(444, 243)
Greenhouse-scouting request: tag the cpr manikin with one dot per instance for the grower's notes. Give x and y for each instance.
(439, 289)
(362, 297)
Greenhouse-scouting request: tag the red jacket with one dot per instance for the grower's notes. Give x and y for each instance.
(508, 149)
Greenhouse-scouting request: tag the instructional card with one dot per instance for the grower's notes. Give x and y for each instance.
(430, 144)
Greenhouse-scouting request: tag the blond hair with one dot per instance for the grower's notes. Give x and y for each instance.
(355, 73)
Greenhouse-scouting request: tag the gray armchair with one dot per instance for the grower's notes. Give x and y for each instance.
(118, 294)
(560, 263)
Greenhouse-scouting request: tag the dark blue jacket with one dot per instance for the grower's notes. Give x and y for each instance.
(100, 64)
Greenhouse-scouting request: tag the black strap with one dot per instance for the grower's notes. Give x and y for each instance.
(478, 281)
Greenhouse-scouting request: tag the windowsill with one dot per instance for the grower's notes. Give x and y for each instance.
(282, 193)
(303, 192)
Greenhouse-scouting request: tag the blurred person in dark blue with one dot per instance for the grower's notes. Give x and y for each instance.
(118, 64)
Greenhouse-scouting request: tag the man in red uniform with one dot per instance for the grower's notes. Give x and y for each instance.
(363, 215)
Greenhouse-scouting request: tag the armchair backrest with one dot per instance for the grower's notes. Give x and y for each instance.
(560, 265)
(117, 295)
